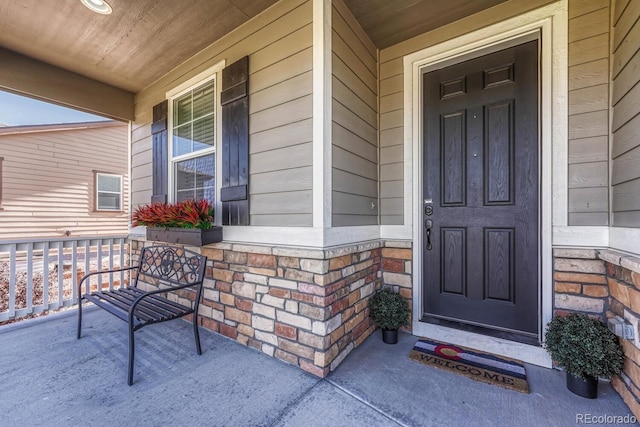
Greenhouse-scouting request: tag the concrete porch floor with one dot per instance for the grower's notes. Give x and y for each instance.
(48, 378)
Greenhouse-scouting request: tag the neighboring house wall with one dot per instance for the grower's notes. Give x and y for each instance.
(625, 178)
(48, 177)
(355, 121)
(391, 98)
(278, 43)
(588, 112)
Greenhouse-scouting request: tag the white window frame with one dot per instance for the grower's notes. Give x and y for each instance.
(97, 191)
(212, 73)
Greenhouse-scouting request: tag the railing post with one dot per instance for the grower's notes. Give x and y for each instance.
(110, 264)
(60, 274)
(87, 265)
(12, 281)
(74, 272)
(30, 278)
(122, 265)
(45, 275)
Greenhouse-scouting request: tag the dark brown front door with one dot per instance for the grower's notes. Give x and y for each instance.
(481, 202)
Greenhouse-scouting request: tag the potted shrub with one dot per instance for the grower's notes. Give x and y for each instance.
(189, 222)
(389, 310)
(586, 349)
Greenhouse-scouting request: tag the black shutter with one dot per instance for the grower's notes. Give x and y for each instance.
(160, 153)
(235, 143)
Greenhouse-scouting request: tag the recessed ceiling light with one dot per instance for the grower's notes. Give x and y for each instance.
(99, 6)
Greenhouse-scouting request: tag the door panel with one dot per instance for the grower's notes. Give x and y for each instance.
(481, 183)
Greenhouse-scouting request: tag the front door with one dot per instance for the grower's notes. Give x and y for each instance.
(481, 198)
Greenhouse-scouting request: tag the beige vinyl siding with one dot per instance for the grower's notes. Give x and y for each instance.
(588, 112)
(48, 180)
(625, 152)
(392, 103)
(279, 45)
(354, 121)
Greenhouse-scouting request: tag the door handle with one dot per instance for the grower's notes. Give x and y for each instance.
(428, 224)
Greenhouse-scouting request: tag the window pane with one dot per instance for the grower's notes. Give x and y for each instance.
(205, 178)
(109, 183)
(184, 195)
(182, 140)
(195, 178)
(182, 110)
(185, 175)
(108, 201)
(203, 133)
(203, 99)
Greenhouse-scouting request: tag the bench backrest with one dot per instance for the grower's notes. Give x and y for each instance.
(171, 265)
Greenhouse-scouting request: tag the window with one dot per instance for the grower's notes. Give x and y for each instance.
(192, 115)
(108, 192)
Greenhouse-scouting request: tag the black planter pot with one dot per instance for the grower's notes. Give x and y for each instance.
(185, 236)
(390, 336)
(586, 388)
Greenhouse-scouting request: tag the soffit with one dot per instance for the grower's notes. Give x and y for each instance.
(138, 43)
(388, 22)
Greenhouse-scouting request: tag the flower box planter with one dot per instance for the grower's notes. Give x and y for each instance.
(185, 236)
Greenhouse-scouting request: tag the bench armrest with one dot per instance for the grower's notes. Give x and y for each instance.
(95, 273)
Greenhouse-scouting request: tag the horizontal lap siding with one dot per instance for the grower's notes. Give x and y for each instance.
(48, 182)
(354, 122)
(625, 174)
(392, 98)
(588, 112)
(279, 45)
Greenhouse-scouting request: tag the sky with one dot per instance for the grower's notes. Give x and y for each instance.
(17, 110)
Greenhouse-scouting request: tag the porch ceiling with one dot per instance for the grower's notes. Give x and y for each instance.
(388, 22)
(129, 49)
(144, 39)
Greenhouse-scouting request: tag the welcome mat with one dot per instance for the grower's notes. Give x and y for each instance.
(474, 364)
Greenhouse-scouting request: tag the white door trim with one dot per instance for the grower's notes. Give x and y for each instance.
(551, 21)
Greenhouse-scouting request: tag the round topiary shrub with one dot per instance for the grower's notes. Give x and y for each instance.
(584, 346)
(388, 309)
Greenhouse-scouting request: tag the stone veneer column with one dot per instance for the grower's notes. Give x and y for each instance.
(623, 277)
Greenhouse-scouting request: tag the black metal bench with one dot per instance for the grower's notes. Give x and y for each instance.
(167, 267)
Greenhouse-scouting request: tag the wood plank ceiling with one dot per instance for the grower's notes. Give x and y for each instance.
(134, 46)
(388, 22)
(144, 39)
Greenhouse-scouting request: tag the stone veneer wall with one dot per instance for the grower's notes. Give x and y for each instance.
(604, 283)
(623, 276)
(306, 307)
(579, 282)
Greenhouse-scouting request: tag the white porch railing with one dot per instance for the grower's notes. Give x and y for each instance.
(43, 274)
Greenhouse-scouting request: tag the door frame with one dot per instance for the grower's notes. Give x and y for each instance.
(551, 22)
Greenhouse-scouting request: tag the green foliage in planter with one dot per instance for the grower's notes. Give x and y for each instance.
(388, 309)
(584, 346)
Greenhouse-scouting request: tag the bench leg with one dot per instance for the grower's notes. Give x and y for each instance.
(79, 316)
(196, 333)
(131, 355)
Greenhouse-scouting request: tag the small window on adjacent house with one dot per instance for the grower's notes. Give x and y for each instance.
(108, 192)
(192, 142)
